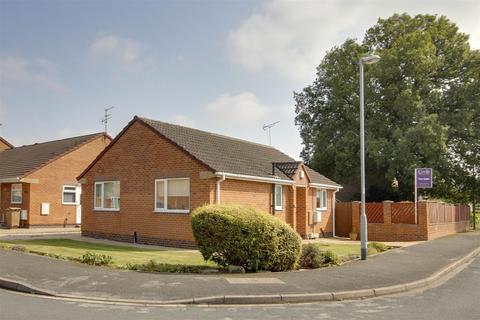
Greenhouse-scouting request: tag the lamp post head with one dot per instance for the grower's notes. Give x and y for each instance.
(370, 59)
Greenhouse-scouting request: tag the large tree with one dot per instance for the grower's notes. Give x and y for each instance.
(421, 108)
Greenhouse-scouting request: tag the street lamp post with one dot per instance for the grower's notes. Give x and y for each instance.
(370, 59)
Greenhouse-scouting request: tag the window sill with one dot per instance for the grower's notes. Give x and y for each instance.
(16, 202)
(106, 210)
(172, 211)
(321, 209)
(279, 209)
(71, 204)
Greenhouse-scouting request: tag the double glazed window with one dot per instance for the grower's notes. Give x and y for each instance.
(321, 199)
(278, 197)
(16, 194)
(172, 195)
(107, 195)
(70, 195)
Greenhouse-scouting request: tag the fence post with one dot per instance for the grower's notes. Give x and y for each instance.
(387, 212)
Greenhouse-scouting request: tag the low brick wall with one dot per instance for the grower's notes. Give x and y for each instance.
(434, 219)
(140, 239)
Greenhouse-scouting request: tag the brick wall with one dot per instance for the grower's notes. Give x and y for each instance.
(52, 177)
(389, 230)
(137, 158)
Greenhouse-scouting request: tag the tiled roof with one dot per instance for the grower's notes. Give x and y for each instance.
(316, 177)
(19, 161)
(230, 155)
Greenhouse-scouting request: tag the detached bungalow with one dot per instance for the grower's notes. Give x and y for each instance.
(40, 179)
(145, 184)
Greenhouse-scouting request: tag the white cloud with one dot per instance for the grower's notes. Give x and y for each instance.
(182, 120)
(243, 108)
(122, 50)
(37, 72)
(289, 38)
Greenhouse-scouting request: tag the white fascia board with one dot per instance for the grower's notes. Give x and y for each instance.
(245, 177)
(325, 186)
(18, 180)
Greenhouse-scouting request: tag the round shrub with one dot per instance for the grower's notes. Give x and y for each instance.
(313, 257)
(246, 237)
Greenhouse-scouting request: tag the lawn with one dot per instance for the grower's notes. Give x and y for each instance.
(121, 255)
(342, 250)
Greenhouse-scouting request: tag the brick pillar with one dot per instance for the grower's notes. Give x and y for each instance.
(423, 219)
(387, 212)
(356, 205)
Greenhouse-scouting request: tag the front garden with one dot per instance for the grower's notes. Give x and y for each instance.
(229, 238)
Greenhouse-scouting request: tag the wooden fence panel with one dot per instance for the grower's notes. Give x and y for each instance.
(343, 219)
(403, 212)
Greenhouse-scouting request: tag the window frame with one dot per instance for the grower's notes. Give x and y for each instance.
(102, 183)
(321, 192)
(21, 193)
(77, 200)
(280, 207)
(165, 196)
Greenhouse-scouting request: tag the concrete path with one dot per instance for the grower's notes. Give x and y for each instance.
(25, 233)
(392, 268)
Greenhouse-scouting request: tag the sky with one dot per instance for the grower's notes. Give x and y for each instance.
(222, 66)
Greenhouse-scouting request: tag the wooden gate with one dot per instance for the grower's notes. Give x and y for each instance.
(343, 219)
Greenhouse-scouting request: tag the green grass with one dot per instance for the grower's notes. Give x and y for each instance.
(342, 250)
(121, 255)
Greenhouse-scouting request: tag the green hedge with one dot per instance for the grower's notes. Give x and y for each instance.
(245, 236)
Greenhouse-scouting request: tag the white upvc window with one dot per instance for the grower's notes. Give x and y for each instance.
(321, 199)
(172, 195)
(70, 195)
(107, 196)
(278, 197)
(16, 194)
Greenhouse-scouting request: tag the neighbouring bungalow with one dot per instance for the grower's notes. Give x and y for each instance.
(40, 179)
(144, 186)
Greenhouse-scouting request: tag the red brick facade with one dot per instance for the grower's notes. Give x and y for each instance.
(139, 156)
(45, 185)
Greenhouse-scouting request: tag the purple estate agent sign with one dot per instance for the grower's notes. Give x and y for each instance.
(424, 178)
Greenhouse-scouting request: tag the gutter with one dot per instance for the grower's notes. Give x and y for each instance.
(217, 194)
(321, 185)
(245, 177)
(18, 179)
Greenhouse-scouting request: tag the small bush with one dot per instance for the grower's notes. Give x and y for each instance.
(246, 237)
(377, 246)
(313, 257)
(95, 259)
(153, 266)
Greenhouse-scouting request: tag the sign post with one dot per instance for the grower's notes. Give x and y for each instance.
(423, 180)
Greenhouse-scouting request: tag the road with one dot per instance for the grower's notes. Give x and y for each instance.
(458, 299)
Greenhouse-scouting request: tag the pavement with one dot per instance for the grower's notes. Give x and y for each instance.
(20, 233)
(395, 271)
(456, 298)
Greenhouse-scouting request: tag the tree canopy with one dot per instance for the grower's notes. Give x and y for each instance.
(422, 109)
